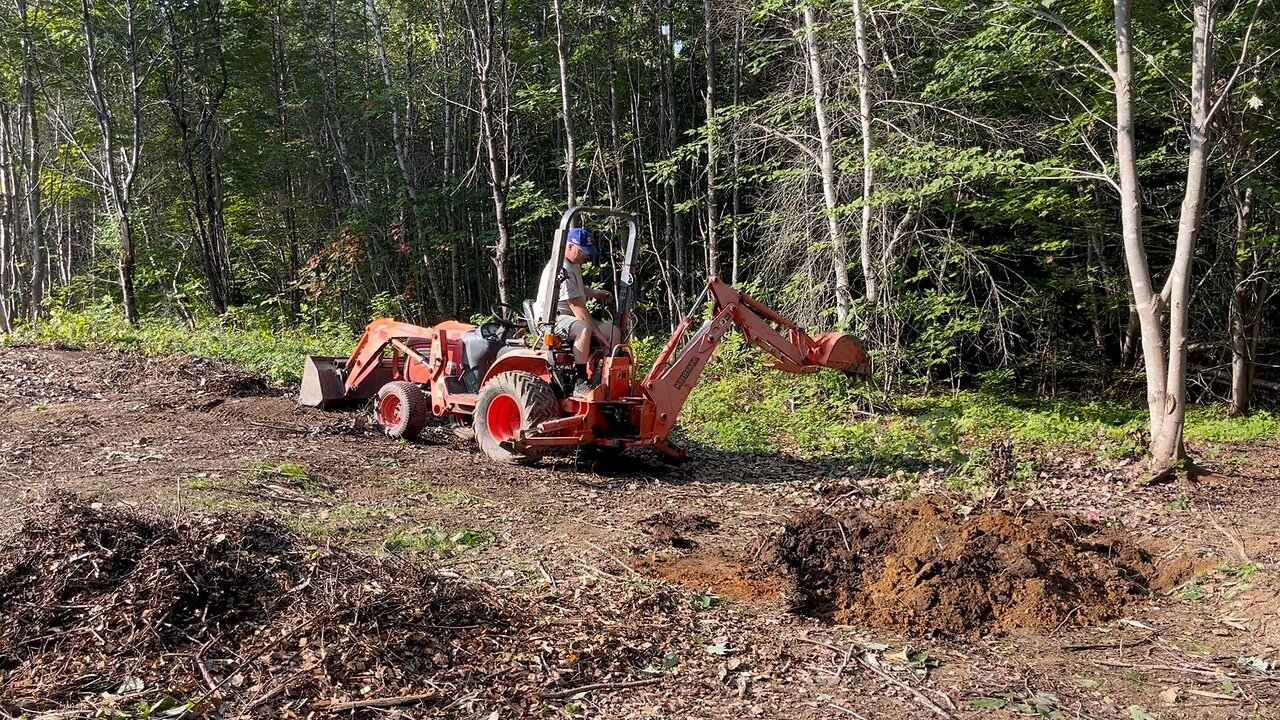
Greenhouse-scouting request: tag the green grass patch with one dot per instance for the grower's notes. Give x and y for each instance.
(1211, 424)
(199, 484)
(275, 351)
(743, 405)
(343, 522)
(293, 475)
(436, 541)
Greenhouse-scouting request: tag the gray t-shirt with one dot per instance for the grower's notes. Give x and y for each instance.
(571, 287)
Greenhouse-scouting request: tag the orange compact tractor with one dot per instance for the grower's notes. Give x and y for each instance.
(512, 384)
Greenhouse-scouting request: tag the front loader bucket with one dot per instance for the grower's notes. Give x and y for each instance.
(842, 352)
(322, 383)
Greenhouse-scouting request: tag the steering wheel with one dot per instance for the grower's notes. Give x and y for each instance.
(502, 312)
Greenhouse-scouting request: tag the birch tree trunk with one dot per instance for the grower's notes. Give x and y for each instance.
(870, 272)
(1167, 446)
(827, 167)
(566, 109)
(709, 97)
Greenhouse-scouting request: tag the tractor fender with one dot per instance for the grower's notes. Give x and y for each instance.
(522, 359)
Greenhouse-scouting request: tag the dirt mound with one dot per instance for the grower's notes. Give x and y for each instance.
(922, 566)
(713, 573)
(95, 601)
(104, 609)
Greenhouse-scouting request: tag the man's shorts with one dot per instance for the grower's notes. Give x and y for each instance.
(568, 327)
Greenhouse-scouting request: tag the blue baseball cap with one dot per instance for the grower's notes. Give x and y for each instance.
(582, 238)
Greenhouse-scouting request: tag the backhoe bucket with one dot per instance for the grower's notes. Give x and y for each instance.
(322, 383)
(840, 351)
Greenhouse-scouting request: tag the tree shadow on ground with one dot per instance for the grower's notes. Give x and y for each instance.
(704, 464)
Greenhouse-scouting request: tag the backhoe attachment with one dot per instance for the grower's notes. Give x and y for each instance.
(682, 362)
(792, 348)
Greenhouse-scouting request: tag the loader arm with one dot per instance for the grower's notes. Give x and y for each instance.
(681, 364)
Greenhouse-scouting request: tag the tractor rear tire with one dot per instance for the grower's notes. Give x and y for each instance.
(401, 409)
(511, 402)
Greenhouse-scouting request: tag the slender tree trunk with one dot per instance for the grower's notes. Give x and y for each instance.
(1242, 350)
(32, 162)
(674, 231)
(8, 229)
(482, 39)
(126, 267)
(827, 168)
(870, 272)
(119, 173)
(1167, 446)
(736, 201)
(1241, 360)
(709, 98)
(615, 137)
(566, 108)
(1146, 302)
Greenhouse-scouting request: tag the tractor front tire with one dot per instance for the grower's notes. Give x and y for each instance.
(401, 409)
(511, 402)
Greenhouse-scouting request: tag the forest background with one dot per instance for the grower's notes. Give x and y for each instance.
(1070, 198)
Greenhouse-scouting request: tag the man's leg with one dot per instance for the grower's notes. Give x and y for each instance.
(576, 332)
(581, 345)
(611, 334)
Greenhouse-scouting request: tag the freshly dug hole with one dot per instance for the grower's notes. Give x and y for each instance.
(921, 567)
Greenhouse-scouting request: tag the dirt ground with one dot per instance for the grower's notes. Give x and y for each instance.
(661, 576)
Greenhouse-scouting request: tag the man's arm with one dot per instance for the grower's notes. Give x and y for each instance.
(603, 296)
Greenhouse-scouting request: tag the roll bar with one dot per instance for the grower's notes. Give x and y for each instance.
(626, 296)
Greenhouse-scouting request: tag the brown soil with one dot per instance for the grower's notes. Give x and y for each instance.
(715, 574)
(581, 583)
(675, 530)
(923, 567)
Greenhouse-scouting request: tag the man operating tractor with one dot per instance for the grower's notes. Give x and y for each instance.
(573, 321)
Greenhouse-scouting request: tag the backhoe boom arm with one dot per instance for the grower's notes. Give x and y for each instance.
(680, 365)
